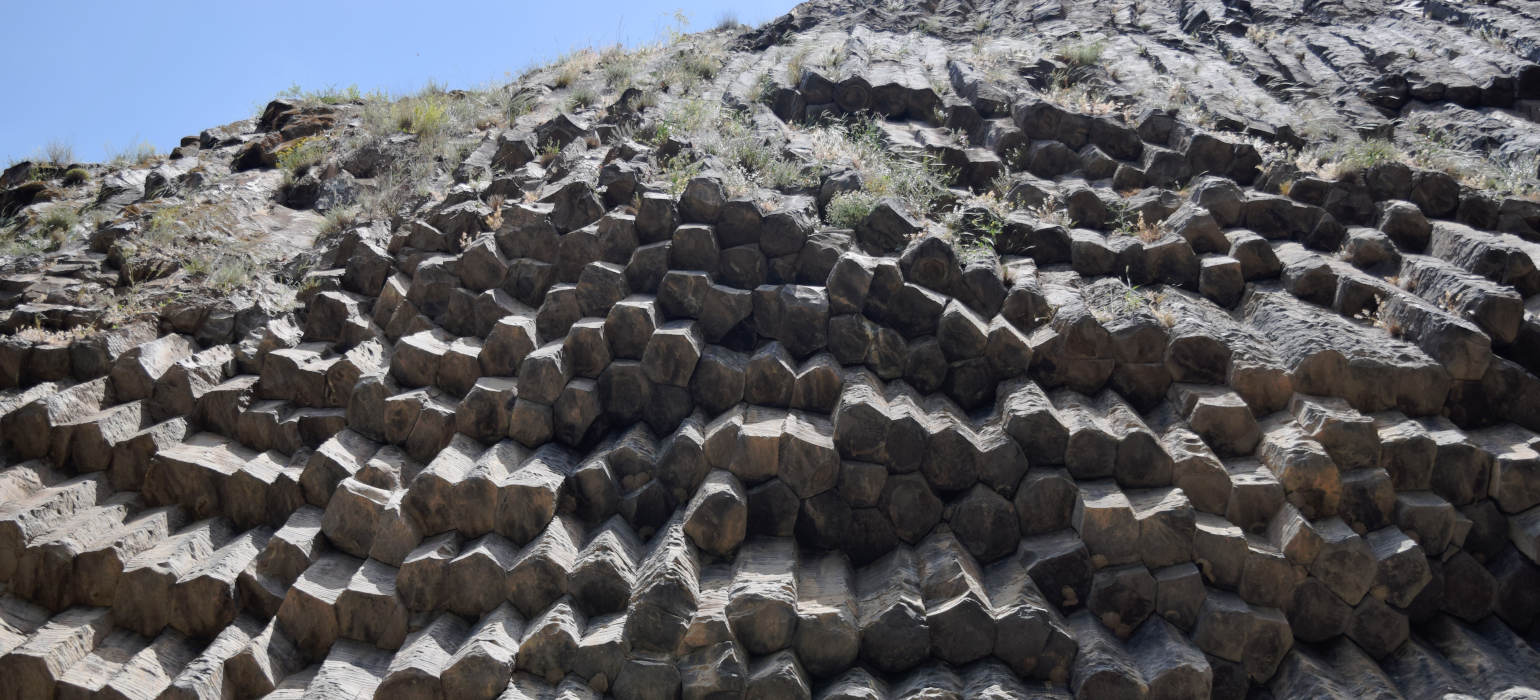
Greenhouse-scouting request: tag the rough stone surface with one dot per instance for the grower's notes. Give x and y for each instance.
(904, 349)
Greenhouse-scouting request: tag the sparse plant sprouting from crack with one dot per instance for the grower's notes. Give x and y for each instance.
(1050, 211)
(1259, 34)
(763, 90)
(794, 66)
(1063, 89)
(1133, 223)
(678, 171)
(1016, 157)
(549, 152)
(1376, 314)
(520, 103)
(1001, 186)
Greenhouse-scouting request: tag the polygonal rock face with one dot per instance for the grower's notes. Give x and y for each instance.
(834, 358)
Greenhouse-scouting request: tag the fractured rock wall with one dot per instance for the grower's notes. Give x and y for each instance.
(587, 445)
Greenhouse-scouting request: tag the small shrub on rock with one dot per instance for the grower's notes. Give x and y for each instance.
(847, 209)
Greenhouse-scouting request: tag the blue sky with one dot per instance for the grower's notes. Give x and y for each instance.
(105, 75)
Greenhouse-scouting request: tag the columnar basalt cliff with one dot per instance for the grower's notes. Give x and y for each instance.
(955, 349)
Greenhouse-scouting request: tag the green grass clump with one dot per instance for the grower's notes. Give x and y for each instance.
(794, 67)
(424, 116)
(140, 154)
(785, 173)
(294, 158)
(703, 64)
(618, 67)
(689, 66)
(1080, 55)
(573, 66)
(76, 176)
(330, 95)
(57, 225)
(678, 171)
(581, 98)
(763, 90)
(1371, 152)
(915, 179)
(164, 225)
(232, 274)
(847, 209)
(58, 219)
(338, 220)
(520, 103)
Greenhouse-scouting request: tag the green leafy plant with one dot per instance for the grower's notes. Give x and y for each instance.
(655, 133)
(990, 228)
(847, 209)
(549, 152)
(678, 171)
(1371, 152)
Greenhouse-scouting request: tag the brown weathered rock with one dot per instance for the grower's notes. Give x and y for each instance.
(309, 612)
(481, 666)
(891, 612)
(717, 516)
(571, 425)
